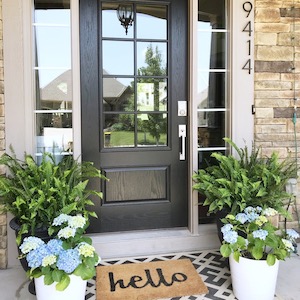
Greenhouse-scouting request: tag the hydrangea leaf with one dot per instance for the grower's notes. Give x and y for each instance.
(57, 275)
(48, 279)
(63, 284)
(225, 250)
(271, 259)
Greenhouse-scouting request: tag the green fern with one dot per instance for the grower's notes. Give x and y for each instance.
(249, 179)
(36, 193)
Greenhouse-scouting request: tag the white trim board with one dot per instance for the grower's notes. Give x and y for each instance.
(153, 242)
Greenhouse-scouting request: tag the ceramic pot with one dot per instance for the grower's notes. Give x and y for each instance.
(253, 279)
(75, 290)
(42, 233)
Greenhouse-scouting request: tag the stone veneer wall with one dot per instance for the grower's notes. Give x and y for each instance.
(3, 218)
(277, 73)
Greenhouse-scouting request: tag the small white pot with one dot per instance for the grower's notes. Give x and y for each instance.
(75, 290)
(253, 279)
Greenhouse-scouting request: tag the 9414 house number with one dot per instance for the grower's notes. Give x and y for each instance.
(248, 8)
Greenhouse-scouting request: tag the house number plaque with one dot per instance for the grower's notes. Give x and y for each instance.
(248, 11)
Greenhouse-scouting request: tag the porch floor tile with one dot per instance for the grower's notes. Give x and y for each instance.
(211, 266)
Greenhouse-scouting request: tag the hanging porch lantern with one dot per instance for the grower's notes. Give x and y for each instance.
(125, 15)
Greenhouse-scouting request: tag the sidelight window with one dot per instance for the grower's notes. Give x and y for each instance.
(53, 77)
(212, 84)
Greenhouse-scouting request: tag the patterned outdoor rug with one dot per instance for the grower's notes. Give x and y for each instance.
(149, 280)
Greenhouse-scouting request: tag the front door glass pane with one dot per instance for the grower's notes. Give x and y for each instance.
(152, 95)
(134, 77)
(119, 130)
(151, 21)
(118, 57)
(114, 30)
(152, 59)
(152, 129)
(118, 94)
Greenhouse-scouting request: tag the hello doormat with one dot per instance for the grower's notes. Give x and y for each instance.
(149, 281)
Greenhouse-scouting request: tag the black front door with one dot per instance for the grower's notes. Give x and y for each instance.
(133, 94)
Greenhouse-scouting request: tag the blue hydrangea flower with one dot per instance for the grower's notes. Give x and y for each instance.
(86, 249)
(230, 237)
(66, 232)
(292, 234)
(68, 260)
(76, 222)
(288, 245)
(261, 220)
(241, 217)
(35, 257)
(252, 216)
(62, 218)
(226, 228)
(249, 209)
(260, 234)
(30, 243)
(55, 246)
(258, 209)
(270, 212)
(49, 260)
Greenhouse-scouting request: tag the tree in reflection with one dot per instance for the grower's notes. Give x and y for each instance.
(156, 123)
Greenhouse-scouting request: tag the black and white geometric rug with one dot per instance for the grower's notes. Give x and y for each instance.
(209, 264)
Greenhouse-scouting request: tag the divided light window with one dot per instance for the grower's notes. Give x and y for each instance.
(212, 82)
(53, 80)
(135, 108)
(212, 53)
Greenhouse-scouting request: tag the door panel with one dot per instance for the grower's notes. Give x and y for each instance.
(131, 84)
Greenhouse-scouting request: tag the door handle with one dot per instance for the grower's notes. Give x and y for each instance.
(182, 136)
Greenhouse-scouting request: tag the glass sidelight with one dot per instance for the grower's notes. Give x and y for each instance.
(212, 53)
(134, 77)
(212, 83)
(53, 77)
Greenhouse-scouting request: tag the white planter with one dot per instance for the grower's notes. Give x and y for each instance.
(253, 279)
(75, 290)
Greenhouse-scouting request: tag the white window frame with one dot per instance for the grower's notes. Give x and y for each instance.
(19, 110)
(240, 126)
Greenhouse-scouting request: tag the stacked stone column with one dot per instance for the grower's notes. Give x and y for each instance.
(277, 74)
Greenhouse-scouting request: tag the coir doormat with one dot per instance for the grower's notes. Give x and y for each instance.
(149, 281)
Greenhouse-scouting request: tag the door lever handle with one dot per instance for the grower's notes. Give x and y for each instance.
(182, 135)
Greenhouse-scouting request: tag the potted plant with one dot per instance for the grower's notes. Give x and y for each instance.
(62, 266)
(248, 179)
(36, 193)
(254, 247)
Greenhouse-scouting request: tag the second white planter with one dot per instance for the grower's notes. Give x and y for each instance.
(253, 279)
(75, 290)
